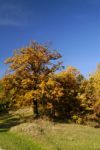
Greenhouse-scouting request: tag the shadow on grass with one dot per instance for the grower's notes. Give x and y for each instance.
(8, 120)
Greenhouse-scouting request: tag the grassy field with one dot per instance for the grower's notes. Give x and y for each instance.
(19, 132)
(14, 141)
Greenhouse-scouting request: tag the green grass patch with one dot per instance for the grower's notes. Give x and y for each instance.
(14, 141)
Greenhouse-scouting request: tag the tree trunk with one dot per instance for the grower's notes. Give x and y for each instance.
(43, 105)
(35, 108)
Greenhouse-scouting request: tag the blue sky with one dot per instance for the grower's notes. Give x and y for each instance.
(72, 26)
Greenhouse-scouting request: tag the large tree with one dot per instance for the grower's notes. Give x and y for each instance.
(29, 67)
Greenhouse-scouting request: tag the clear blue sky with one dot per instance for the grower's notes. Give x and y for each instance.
(72, 26)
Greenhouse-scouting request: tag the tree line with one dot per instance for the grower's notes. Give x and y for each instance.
(32, 79)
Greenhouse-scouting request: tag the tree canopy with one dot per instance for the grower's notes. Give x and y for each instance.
(29, 68)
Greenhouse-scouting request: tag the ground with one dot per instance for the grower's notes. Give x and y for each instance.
(19, 128)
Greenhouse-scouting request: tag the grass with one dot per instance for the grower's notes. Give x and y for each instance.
(62, 136)
(19, 132)
(14, 141)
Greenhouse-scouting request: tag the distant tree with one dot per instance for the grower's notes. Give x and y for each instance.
(29, 67)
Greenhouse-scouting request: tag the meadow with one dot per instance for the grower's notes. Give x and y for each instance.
(18, 131)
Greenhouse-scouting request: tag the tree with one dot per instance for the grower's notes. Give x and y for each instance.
(29, 67)
(89, 95)
(62, 91)
(95, 103)
(4, 101)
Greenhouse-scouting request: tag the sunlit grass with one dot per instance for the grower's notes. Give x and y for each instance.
(61, 136)
(14, 141)
(19, 132)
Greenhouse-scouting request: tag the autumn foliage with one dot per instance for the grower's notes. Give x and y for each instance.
(31, 79)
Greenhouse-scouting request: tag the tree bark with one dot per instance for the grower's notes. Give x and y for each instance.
(35, 108)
